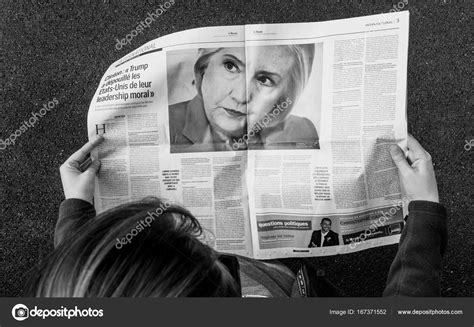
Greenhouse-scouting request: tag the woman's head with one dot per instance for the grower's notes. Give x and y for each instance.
(277, 76)
(163, 259)
(239, 88)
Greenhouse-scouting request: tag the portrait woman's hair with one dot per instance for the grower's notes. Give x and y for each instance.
(203, 56)
(303, 55)
(165, 259)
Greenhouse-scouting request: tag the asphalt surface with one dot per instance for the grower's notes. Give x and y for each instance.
(61, 51)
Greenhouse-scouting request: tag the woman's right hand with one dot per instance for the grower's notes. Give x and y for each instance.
(417, 179)
(79, 184)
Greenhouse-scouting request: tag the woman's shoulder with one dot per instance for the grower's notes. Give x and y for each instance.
(300, 126)
(265, 278)
(177, 118)
(177, 111)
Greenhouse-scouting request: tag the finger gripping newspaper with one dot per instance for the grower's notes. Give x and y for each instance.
(275, 136)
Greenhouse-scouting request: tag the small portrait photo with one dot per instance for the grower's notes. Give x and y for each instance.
(231, 99)
(324, 236)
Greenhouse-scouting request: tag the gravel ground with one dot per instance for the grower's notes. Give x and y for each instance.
(52, 50)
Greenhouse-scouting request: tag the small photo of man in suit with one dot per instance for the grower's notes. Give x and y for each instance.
(324, 236)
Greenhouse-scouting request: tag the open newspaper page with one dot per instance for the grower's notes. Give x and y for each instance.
(276, 137)
(328, 103)
(152, 108)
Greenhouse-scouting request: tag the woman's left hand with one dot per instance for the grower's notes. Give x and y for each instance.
(77, 182)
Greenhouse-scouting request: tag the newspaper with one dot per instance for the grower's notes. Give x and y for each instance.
(275, 136)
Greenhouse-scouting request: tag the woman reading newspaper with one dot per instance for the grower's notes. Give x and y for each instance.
(166, 258)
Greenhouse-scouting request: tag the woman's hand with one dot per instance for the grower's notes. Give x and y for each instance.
(417, 180)
(78, 182)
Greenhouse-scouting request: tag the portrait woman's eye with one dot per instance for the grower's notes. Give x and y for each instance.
(265, 80)
(230, 66)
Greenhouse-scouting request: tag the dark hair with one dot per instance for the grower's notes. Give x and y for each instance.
(322, 220)
(165, 259)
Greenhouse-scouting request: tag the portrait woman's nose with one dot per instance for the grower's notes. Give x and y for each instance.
(238, 93)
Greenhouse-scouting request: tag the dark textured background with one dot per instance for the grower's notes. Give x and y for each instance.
(62, 50)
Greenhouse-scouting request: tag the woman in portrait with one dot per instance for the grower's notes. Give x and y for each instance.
(243, 103)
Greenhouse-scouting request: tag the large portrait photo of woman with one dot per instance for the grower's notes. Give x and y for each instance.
(236, 98)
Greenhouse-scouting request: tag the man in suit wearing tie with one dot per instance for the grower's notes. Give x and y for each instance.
(325, 236)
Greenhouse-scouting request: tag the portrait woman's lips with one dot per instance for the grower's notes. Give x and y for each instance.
(233, 113)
